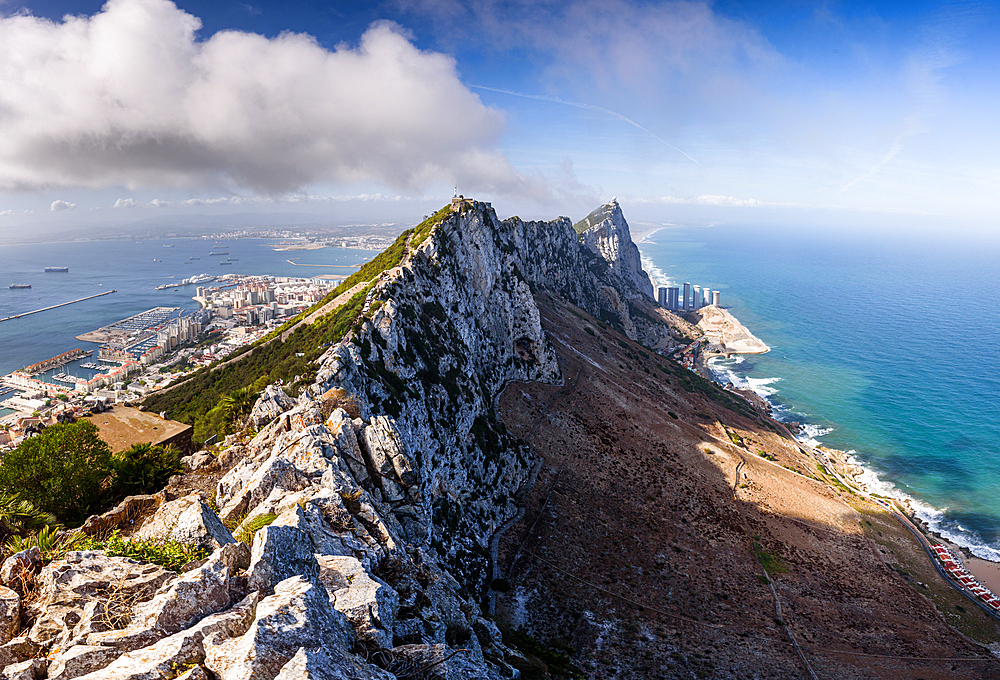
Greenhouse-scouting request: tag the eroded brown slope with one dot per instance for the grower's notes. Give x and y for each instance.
(635, 553)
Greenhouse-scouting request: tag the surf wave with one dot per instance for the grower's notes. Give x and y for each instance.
(658, 276)
(936, 519)
(809, 433)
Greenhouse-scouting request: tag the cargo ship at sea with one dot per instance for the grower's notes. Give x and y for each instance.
(56, 269)
(224, 252)
(20, 285)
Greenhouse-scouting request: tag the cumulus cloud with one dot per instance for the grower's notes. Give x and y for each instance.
(6, 213)
(131, 97)
(60, 206)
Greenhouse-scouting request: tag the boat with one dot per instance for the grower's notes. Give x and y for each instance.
(20, 285)
(233, 259)
(224, 252)
(155, 260)
(56, 269)
(167, 245)
(195, 258)
(223, 264)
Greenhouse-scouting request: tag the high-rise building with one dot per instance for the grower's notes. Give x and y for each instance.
(706, 296)
(687, 296)
(661, 296)
(672, 298)
(201, 291)
(696, 297)
(715, 298)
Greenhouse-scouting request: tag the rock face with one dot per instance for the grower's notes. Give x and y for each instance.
(606, 232)
(186, 520)
(382, 508)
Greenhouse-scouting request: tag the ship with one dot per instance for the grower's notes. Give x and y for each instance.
(223, 264)
(195, 258)
(57, 269)
(224, 252)
(20, 285)
(233, 259)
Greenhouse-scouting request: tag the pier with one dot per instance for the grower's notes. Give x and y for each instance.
(61, 304)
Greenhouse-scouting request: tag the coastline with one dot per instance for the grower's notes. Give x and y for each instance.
(863, 478)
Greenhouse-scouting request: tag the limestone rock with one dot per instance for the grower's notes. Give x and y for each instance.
(17, 565)
(297, 615)
(320, 664)
(160, 661)
(33, 669)
(342, 429)
(18, 649)
(367, 602)
(607, 234)
(271, 403)
(280, 552)
(184, 601)
(197, 460)
(10, 614)
(448, 665)
(82, 577)
(196, 673)
(123, 513)
(80, 660)
(186, 520)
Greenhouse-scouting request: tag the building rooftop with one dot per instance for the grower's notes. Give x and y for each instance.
(124, 426)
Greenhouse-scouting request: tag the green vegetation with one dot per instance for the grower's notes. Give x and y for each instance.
(19, 517)
(773, 564)
(48, 541)
(168, 554)
(68, 471)
(246, 534)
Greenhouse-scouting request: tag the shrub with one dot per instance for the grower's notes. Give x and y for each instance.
(168, 554)
(246, 534)
(50, 544)
(19, 517)
(61, 471)
(142, 468)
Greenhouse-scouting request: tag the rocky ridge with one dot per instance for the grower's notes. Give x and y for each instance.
(383, 484)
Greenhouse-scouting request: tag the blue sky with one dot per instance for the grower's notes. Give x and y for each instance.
(806, 114)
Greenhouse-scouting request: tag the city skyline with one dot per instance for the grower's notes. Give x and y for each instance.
(836, 116)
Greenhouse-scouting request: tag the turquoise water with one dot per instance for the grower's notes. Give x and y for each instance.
(885, 349)
(134, 269)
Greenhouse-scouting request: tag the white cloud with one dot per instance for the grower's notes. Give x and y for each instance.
(130, 97)
(60, 206)
(6, 213)
(708, 199)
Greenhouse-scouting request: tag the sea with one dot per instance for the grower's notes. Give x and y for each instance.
(882, 347)
(134, 268)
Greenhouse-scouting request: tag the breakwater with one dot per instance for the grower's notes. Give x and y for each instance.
(61, 304)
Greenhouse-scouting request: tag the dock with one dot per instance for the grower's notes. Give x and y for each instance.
(61, 304)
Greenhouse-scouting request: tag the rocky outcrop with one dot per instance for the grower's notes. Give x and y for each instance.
(606, 232)
(186, 520)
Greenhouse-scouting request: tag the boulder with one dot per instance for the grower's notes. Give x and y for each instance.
(196, 673)
(186, 520)
(80, 660)
(186, 600)
(340, 426)
(10, 614)
(18, 565)
(126, 512)
(18, 649)
(33, 669)
(320, 664)
(367, 602)
(161, 660)
(196, 461)
(271, 403)
(68, 585)
(297, 615)
(280, 552)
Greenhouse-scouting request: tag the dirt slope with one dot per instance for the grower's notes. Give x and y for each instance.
(634, 552)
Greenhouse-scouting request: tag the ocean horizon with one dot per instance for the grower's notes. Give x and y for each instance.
(880, 349)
